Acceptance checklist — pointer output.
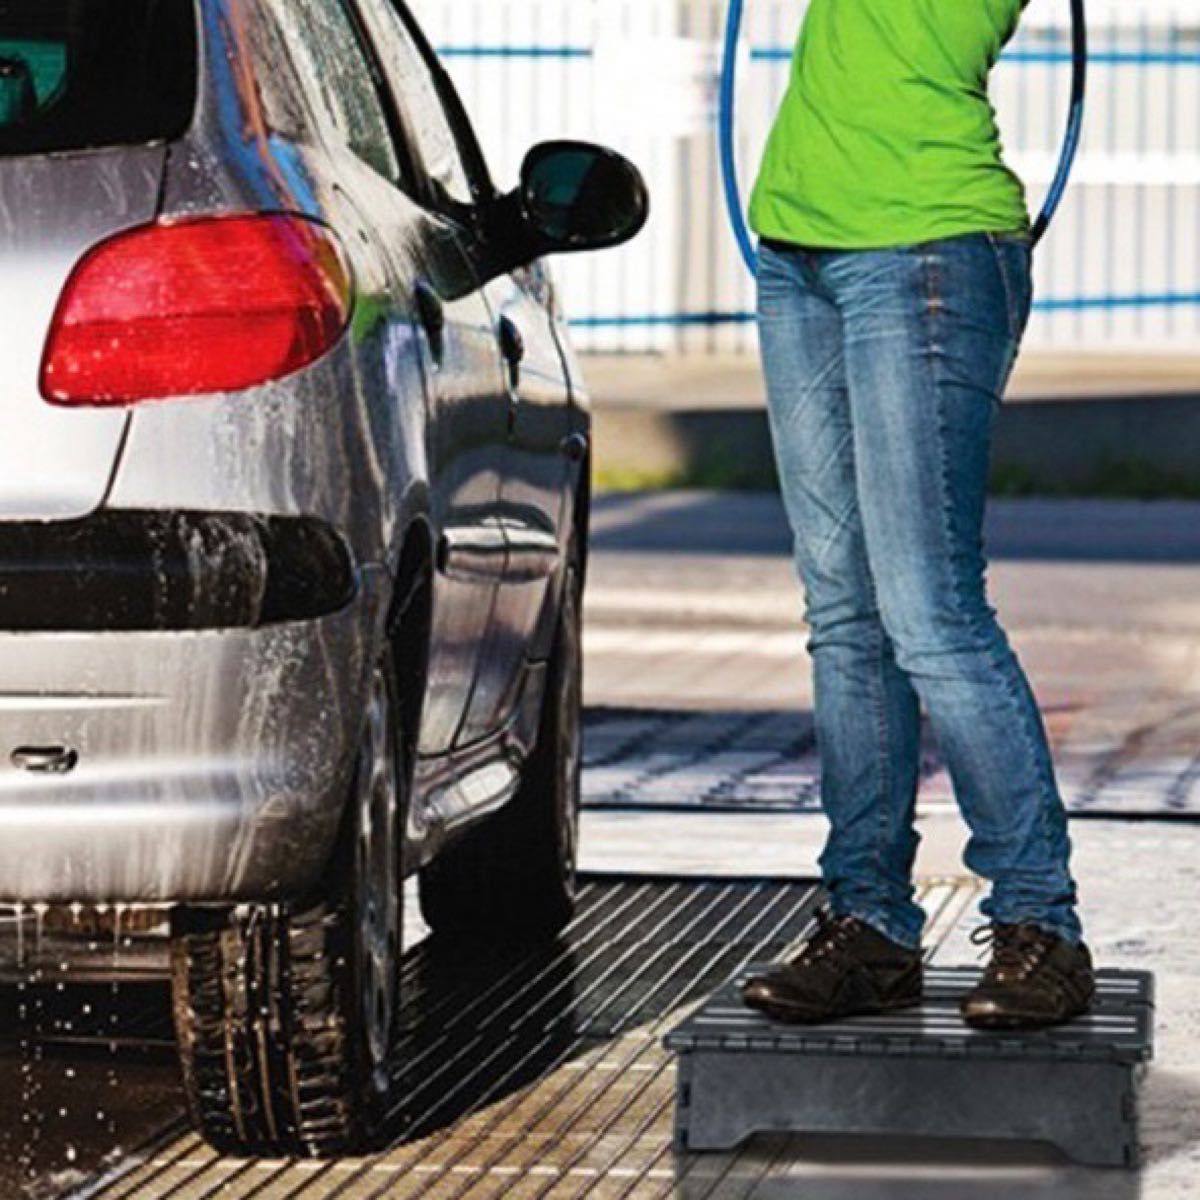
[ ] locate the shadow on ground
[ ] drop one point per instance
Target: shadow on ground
(727, 523)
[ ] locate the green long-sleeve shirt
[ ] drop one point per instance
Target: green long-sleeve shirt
(886, 136)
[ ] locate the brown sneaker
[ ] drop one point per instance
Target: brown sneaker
(1035, 979)
(847, 969)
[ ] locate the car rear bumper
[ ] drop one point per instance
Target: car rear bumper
(203, 766)
(156, 570)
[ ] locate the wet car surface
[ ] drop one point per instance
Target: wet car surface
(294, 494)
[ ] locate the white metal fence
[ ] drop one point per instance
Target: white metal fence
(1121, 268)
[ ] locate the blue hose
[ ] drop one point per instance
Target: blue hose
(729, 167)
(728, 139)
(1074, 134)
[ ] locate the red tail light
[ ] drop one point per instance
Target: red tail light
(215, 304)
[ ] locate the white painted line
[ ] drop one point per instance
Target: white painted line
(783, 646)
(737, 606)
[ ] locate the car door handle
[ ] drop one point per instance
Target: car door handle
(512, 346)
(432, 314)
(45, 760)
(473, 553)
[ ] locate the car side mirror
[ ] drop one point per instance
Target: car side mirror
(576, 196)
(573, 196)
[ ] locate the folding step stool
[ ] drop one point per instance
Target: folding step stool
(920, 1072)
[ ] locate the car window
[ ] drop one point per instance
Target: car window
(330, 56)
(78, 74)
(420, 103)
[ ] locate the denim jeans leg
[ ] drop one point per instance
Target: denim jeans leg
(930, 337)
(867, 718)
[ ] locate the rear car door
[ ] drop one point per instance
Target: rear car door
(467, 420)
(455, 190)
(536, 466)
(540, 471)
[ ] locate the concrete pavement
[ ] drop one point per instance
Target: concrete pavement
(1093, 424)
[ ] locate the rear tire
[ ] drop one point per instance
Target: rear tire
(515, 876)
(286, 1017)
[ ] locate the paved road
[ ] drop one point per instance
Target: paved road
(1100, 597)
(741, 524)
(692, 605)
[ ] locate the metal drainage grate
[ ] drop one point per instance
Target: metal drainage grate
(541, 1072)
(766, 761)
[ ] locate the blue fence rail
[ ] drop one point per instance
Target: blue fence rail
(1122, 265)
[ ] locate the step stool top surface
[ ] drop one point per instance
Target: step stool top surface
(1120, 1027)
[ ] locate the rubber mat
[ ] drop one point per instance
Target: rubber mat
(1118, 1029)
(741, 761)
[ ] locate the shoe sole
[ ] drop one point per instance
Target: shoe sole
(795, 1015)
(997, 1020)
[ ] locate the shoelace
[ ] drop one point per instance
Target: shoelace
(1017, 950)
(832, 940)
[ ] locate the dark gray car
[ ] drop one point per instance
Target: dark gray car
(293, 520)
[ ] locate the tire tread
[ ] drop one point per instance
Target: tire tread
(267, 1074)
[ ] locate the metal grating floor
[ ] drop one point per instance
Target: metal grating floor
(766, 761)
(541, 1073)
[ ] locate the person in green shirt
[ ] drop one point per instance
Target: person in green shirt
(887, 136)
(894, 290)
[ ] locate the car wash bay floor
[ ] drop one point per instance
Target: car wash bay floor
(563, 1090)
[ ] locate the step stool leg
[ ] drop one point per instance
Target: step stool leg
(1106, 1133)
(683, 1101)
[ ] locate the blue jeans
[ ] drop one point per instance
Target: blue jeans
(884, 373)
